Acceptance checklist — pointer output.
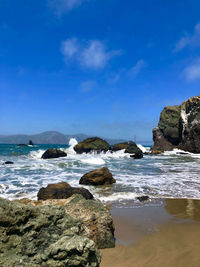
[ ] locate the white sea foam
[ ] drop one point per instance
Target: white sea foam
(144, 150)
(93, 161)
(118, 197)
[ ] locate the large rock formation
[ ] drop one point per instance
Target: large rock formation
(130, 147)
(62, 191)
(42, 236)
(95, 219)
(100, 176)
(53, 153)
(179, 127)
(92, 144)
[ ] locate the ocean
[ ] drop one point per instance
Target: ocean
(169, 175)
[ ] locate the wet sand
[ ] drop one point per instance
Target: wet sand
(159, 233)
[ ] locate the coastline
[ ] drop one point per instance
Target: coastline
(162, 232)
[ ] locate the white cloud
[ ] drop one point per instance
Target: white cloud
(93, 55)
(69, 47)
(63, 6)
(135, 70)
(192, 72)
(192, 40)
(88, 86)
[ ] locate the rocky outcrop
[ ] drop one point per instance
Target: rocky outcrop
(92, 144)
(95, 219)
(100, 176)
(131, 148)
(42, 236)
(179, 127)
(62, 191)
(31, 143)
(53, 153)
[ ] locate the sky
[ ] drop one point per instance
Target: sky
(99, 67)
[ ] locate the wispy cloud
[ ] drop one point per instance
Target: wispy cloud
(189, 40)
(93, 55)
(87, 86)
(135, 70)
(192, 72)
(61, 7)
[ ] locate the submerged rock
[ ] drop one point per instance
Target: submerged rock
(143, 198)
(100, 176)
(92, 144)
(61, 191)
(179, 127)
(42, 236)
(8, 162)
(52, 153)
(131, 148)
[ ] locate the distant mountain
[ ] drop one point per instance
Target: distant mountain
(50, 137)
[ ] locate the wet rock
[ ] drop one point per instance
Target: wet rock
(42, 236)
(92, 144)
(22, 145)
(53, 153)
(143, 198)
(8, 162)
(95, 218)
(179, 127)
(131, 148)
(61, 191)
(31, 143)
(100, 176)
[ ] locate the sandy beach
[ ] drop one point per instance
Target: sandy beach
(159, 233)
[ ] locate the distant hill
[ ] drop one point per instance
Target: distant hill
(50, 137)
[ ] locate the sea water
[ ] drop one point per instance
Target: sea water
(172, 174)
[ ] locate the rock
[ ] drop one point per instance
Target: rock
(22, 145)
(95, 218)
(8, 162)
(61, 191)
(100, 176)
(131, 148)
(156, 152)
(179, 127)
(31, 143)
(42, 236)
(143, 198)
(92, 144)
(53, 153)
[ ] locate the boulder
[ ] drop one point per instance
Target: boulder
(143, 198)
(131, 148)
(95, 218)
(43, 236)
(53, 153)
(92, 144)
(179, 127)
(100, 176)
(61, 191)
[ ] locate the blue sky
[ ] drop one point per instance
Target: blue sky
(100, 67)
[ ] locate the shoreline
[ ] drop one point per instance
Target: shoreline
(163, 232)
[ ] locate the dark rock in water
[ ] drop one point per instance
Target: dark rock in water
(137, 156)
(143, 198)
(92, 144)
(61, 191)
(179, 127)
(22, 145)
(95, 218)
(53, 153)
(31, 143)
(131, 148)
(43, 236)
(100, 176)
(8, 162)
